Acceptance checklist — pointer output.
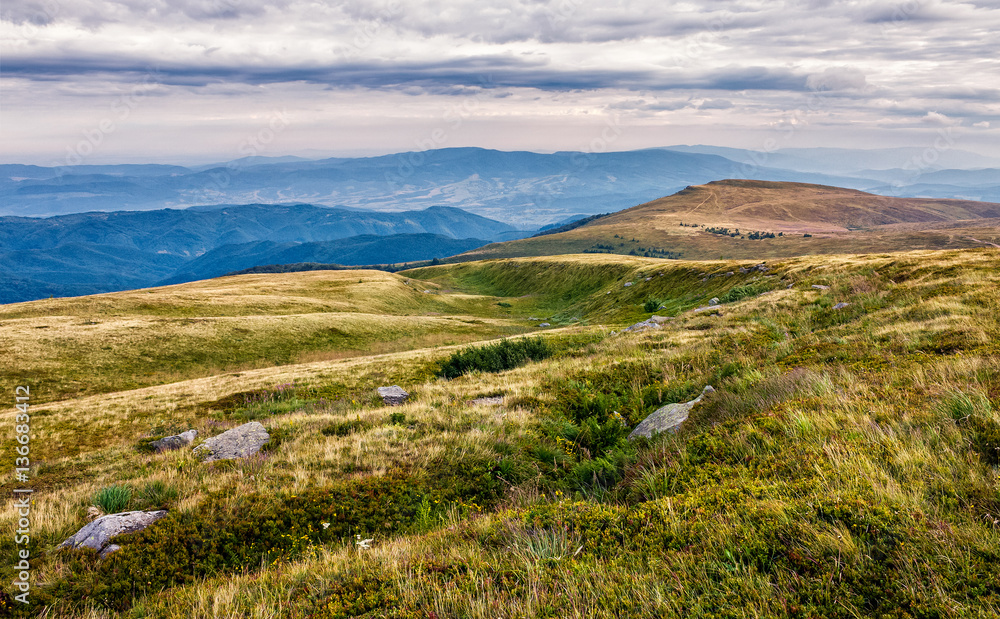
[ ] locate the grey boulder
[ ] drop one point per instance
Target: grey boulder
(246, 440)
(713, 301)
(394, 395)
(668, 418)
(174, 442)
(96, 535)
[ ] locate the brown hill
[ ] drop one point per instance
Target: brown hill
(702, 222)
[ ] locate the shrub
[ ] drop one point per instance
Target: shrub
(651, 305)
(113, 499)
(157, 495)
(503, 355)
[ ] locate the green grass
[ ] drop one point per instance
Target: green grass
(113, 499)
(844, 467)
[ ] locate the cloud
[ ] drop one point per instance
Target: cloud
(940, 120)
(881, 63)
(837, 78)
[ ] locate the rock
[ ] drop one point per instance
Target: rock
(393, 396)
(789, 286)
(488, 401)
(627, 284)
(668, 418)
(642, 326)
(240, 442)
(96, 534)
(647, 279)
(94, 512)
(545, 324)
(713, 301)
(820, 287)
(744, 270)
(174, 442)
(108, 550)
(840, 306)
(730, 273)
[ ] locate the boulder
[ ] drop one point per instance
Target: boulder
(713, 301)
(246, 440)
(545, 324)
(627, 284)
(393, 396)
(96, 535)
(174, 442)
(841, 306)
(668, 418)
(820, 287)
(108, 550)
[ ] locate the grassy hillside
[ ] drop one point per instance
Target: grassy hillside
(124, 340)
(700, 221)
(846, 466)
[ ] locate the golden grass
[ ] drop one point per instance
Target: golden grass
(872, 423)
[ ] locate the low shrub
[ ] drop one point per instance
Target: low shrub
(497, 357)
(157, 495)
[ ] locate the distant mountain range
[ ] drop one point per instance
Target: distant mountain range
(354, 250)
(88, 253)
(522, 188)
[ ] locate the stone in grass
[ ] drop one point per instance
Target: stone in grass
(841, 306)
(96, 535)
(713, 301)
(627, 284)
(393, 396)
(820, 287)
(545, 324)
(246, 440)
(668, 418)
(174, 442)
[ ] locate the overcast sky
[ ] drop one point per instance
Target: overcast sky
(93, 81)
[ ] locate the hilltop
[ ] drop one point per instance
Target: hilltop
(718, 219)
(845, 466)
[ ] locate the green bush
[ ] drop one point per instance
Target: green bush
(651, 305)
(113, 499)
(503, 355)
(157, 495)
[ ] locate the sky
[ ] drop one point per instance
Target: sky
(189, 81)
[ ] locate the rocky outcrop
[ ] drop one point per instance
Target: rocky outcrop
(176, 441)
(240, 442)
(668, 418)
(653, 322)
(96, 535)
(393, 396)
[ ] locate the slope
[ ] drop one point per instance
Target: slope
(719, 219)
(844, 467)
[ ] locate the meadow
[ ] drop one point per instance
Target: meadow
(846, 466)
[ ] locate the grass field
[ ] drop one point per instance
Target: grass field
(836, 221)
(847, 465)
